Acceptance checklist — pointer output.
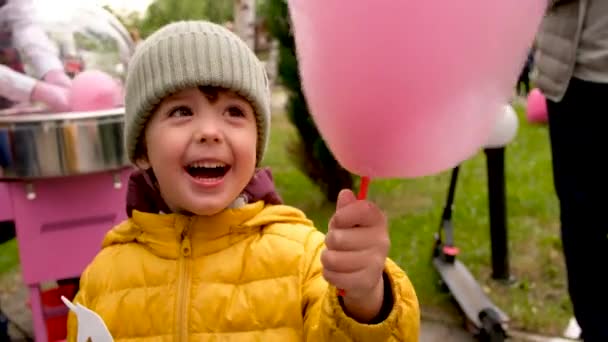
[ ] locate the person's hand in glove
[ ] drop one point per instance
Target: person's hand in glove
(59, 78)
(56, 98)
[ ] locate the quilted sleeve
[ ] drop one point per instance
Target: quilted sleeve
(324, 319)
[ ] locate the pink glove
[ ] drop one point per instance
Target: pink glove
(58, 77)
(56, 98)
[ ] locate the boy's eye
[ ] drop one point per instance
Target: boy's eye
(180, 111)
(235, 111)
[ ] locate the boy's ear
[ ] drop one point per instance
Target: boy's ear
(143, 163)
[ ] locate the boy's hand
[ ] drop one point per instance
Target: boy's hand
(357, 247)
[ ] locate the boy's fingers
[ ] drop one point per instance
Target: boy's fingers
(357, 214)
(352, 239)
(345, 197)
(346, 261)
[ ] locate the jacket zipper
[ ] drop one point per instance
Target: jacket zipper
(183, 289)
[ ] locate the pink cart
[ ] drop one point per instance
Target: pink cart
(65, 187)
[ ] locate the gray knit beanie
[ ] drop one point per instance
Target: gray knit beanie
(189, 54)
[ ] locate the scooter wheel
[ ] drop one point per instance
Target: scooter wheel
(492, 329)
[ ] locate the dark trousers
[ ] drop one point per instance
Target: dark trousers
(524, 78)
(578, 127)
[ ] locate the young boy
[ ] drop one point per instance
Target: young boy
(208, 253)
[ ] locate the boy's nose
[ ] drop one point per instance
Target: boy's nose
(207, 132)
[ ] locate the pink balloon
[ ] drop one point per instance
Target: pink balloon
(410, 88)
(95, 90)
(536, 107)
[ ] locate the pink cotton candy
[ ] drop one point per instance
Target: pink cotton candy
(408, 88)
(95, 90)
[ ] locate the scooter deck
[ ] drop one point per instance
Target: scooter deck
(466, 291)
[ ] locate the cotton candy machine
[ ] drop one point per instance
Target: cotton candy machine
(43, 145)
(64, 175)
(86, 37)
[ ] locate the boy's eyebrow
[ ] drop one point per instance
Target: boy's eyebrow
(180, 96)
(176, 97)
(168, 102)
(233, 95)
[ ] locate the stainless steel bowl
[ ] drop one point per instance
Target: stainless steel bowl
(38, 145)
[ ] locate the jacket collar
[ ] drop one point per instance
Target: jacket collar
(163, 234)
(144, 196)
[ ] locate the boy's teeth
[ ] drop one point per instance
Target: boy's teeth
(207, 164)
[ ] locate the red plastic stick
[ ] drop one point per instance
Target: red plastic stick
(360, 196)
(363, 188)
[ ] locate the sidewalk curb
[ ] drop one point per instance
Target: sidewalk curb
(514, 335)
(528, 337)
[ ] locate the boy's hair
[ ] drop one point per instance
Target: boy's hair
(189, 54)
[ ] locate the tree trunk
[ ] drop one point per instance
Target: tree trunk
(272, 65)
(244, 21)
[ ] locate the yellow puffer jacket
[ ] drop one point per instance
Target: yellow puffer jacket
(247, 274)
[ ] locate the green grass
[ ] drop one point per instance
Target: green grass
(9, 257)
(538, 300)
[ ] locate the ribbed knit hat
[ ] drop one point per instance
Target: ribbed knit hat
(189, 54)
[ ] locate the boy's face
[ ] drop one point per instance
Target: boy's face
(201, 144)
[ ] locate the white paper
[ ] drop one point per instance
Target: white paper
(90, 325)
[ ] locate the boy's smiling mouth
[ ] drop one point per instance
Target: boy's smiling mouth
(208, 172)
